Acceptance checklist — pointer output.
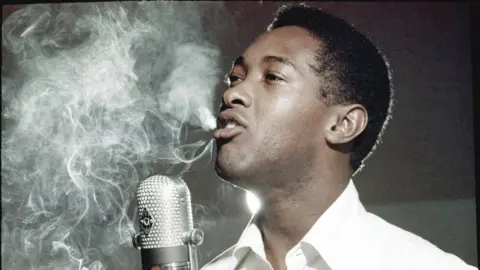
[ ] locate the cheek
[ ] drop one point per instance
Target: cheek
(292, 115)
(286, 123)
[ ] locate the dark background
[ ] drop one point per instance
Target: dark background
(427, 152)
(422, 176)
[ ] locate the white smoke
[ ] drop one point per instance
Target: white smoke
(95, 98)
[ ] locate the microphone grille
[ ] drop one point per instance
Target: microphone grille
(164, 211)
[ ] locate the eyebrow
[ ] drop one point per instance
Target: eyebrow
(278, 59)
(240, 61)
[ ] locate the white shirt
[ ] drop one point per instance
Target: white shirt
(345, 237)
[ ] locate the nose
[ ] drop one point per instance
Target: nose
(235, 97)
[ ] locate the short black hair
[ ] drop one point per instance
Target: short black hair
(352, 69)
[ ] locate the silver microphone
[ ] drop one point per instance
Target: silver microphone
(167, 239)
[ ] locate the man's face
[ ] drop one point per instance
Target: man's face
(273, 101)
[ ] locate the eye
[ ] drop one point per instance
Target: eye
(273, 78)
(231, 78)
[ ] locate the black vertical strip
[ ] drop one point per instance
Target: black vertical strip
(475, 42)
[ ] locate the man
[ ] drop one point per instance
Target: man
(307, 103)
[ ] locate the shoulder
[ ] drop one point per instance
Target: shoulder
(397, 248)
(224, 261)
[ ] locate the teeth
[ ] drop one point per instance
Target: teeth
(231, 125)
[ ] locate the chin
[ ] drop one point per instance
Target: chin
(223, 171)
(230, 173)
(233, 164)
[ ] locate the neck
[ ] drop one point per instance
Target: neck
(288, 214)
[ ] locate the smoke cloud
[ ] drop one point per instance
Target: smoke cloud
(97, 97)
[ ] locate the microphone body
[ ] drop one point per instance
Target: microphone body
(167, 239)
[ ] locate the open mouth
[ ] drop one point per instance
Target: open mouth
(230, 125)
(230, 130)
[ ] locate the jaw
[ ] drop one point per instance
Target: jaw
(233, 164)
(227, 162)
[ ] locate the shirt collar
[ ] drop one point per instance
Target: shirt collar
(251, 238)
(331, 235)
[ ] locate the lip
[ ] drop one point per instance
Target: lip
(229, 115)
(228, 133)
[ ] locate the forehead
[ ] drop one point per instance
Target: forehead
(293, 42)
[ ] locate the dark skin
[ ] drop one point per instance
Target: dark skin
(293, 149)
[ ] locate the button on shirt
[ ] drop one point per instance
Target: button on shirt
(345, 237)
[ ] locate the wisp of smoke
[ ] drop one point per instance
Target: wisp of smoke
(94, 98)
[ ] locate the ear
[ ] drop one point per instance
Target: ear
(345, 123)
